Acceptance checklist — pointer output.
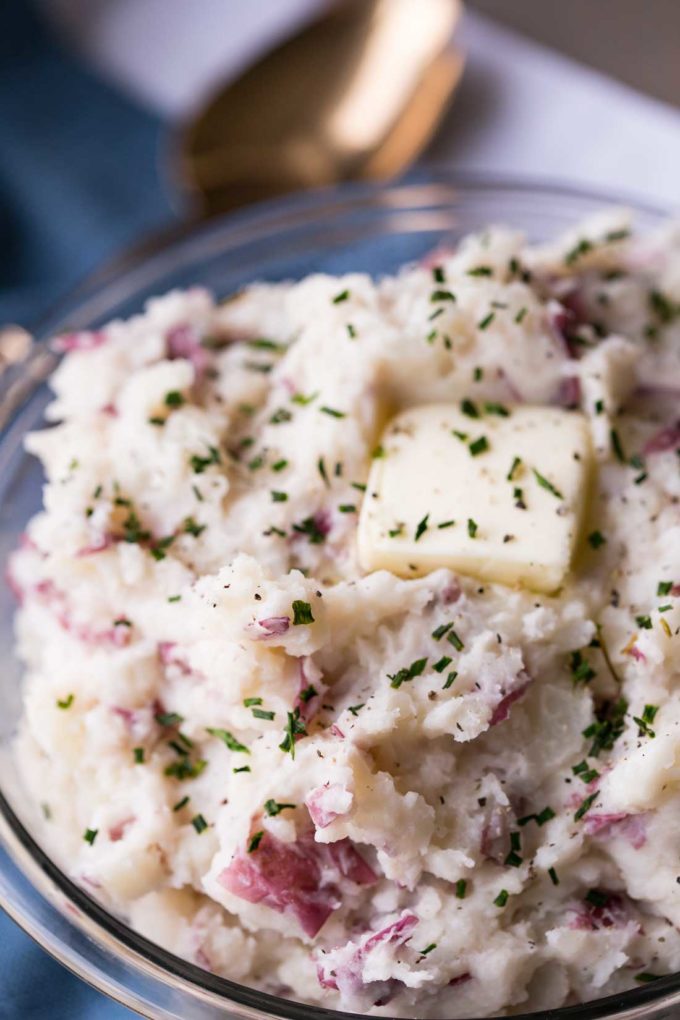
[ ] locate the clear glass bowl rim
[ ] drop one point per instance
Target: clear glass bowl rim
(427, 187)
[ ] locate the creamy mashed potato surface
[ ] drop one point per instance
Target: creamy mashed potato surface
(433, 795)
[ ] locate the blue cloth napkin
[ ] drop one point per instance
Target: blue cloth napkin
(78, 182)
(79, 177)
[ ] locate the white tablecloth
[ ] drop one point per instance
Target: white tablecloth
(521, 108)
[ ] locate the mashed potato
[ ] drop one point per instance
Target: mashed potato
(348, 788)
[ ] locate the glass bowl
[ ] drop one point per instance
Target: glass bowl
(363, 227)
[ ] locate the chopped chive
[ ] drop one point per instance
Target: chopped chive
(449, 680)
(199, 823)
(442, 295)
(520, 315)
(516, 464)
(321, 467)
(243, 768)
(302, 400)
(422, 527)
(174, 598)
(664, 587)
(585, 806)
(461, 889)
(617, 446)
(441, 665)
(469, 408)
(278, 496)
(181, 803)
(480, 271)
(342, 296)
(446, 524)
(66, 702)
(596, 539)
(472, 528)
(263, 713)
(553, 876)
(454, 640)
(502, 898)
(441, 631)
(347, 508)
(138, 755)
(409, 673)
(255, 841)
(168, 718)
(428, 949)
(351, 331)
(229, 739)
(332, 412)
(250, 702)
(294, 727)
(90, 835)
(486, 321)
(280, 465)
(545, 484)
(478, 446)
(302, 613)
(272, 807)
(493, 408)
(174, 399)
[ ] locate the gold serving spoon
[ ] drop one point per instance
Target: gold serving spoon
(356, 95)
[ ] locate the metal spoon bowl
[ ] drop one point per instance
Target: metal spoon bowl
(356, 95)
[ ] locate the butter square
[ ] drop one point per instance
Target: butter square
(497, 493)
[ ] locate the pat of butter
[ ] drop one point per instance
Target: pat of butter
(498, 497)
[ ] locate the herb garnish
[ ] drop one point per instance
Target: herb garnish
(486, 321)
(454, 640)
(478, 446)
(66, 702)
(585, 806)
(263, 713)
(596, 539)
(441, 665)
(342, 296)
(311, 529)
(545, 484)
(229, 739)
(461, 888)
(644, 722)
(502, 898)
(294, 727)
(174, 399)
(421, 527)
(199, 464)
(272, 807)
(302, 613)
(607, 727)
(581, 670)
(138, 755)
(616, 446)
(407, 673)
(192, 528)
(333, 412)
(255, 841)
(472, 528)
(90, 835)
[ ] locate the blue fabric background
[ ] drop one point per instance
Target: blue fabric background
(79, 180)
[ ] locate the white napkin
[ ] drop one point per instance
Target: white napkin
(522, 108)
